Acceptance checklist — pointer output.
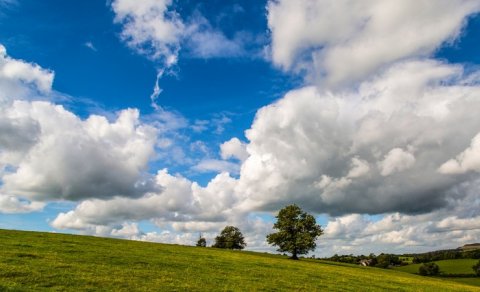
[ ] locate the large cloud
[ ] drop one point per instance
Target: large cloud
(442, 229)
(340, 41)
(373, 150)
(65, 157)
(179, 201)
(49, 153)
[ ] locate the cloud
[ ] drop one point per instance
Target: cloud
(399, 233)
(342, 41)
(372, 150)
(203, 41)
(396, 160)
(468, 160)
(153, 28)
(69, 158)
(234, 148)
(22, 80)
(48, 153)
(215, 165)
(180, 200)
(11, 204)
(90, 45)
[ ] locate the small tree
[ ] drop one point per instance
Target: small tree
(476, 268)
(297, 231)
(230, 238)
(429, 269)
(202, 242)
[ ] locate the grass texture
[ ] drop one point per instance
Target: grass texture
(35, 261)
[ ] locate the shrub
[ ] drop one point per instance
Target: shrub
(429, 269)
(476, 268)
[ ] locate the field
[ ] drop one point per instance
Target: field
(452, 267)
(459, 266)
(47, 261)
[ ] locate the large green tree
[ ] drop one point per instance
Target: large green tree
(230, 238)
(297, 231)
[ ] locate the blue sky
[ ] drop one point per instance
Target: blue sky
(362, 115)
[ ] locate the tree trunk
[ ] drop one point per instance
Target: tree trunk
(294, 256)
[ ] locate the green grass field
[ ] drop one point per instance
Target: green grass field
(44, 261)
(459, 266)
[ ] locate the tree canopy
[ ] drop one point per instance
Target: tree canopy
(202, 242)
(297, 231)
(230, 238)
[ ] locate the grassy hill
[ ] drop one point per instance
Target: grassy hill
(38, 261)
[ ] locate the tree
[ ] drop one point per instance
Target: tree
(429, 269)
(476, 268)
(202, 242)
(230, 238)
(297, 231)
(386, 260)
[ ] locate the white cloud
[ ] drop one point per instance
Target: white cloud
(408, 121)
(215, 165)
(20, 79)
(468, 160)
(359, 168)
(340, 41)
(153, 28)
(69, 158)
(442, 229)
(90, 45)
(179, 200)
(11, 204)
(203, 41)
(234, 148)
(396, 160)
(150, 27)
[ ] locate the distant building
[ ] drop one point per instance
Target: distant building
(366, 262)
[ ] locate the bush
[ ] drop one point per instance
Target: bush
(429, 269)
(476, 268)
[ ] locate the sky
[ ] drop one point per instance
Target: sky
(158, 120)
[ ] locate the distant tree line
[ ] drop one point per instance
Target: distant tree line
(445, 255)
(383, 260)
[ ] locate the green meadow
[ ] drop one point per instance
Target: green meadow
(458, 266)
(451, 267)
(47, 261)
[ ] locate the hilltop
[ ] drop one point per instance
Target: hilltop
(37, 261)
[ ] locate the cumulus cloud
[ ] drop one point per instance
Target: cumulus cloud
(73, 159)
(396, 160)
(181, 210)
(11, 204)
(442, 229)
(180, 200)
(468, 160)
(22, 80)
(371, 150)
(234, 148)
(49, 153)
(340, 41)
